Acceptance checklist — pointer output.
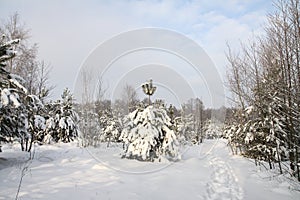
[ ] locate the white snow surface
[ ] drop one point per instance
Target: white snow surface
(39, 122)
(7, 96)
(208, 171)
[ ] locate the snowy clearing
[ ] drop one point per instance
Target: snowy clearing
(208, 171)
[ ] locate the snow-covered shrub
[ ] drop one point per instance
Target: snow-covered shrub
(147, 135)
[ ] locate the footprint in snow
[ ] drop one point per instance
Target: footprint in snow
(223, 184)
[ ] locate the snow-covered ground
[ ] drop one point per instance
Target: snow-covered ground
(208, 171)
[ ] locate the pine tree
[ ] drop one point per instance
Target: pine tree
(62, 123)
(36, 122)
(20, 111)
(13, 123)
(147, 135)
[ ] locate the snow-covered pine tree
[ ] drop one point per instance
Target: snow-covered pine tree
(13, 122)
(62, 123)
(147, 135)
(36, 121)
(262, 136)
(19, 110)
(51, 121)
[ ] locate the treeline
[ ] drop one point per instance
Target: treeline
(103, 120)
(265, 80)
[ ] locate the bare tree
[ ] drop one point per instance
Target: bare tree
(101, 90)
(26, 64)
(193, 110)
(129, 96)
(86, 84)
(43, 86)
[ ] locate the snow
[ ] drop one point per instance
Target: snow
(39, 122)
(7, 96)
(249, 137)
(62, 124)
(50, 123)
(16, 83)
(207, 171)
(249, 110)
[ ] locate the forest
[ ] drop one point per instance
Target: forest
(261, 123)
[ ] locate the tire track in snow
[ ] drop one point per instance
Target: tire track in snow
(223, 184)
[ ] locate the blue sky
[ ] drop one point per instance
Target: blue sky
(67, 31)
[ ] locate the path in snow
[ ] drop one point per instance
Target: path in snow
(223, 184)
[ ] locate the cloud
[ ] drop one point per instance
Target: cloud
(67, 31)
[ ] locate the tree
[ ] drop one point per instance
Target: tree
(184, 126)
(129, 96)
(34, 73)
(20, 111)
(193, 117)
(11, 90)
(265, 79)
(33, 112)
(148, 89)
(148, 135)
(62, 123)
(111, 129)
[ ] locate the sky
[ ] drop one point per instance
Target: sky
(69, 31)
